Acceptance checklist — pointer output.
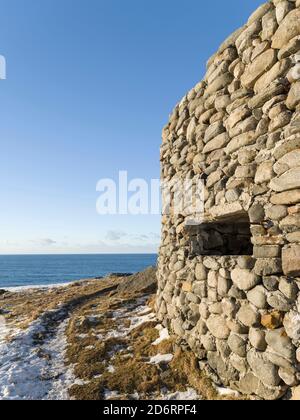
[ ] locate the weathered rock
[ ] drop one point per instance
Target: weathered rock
(288, 29)
(239, 363)
(217, 143)
(258, 67)
(269, 24)
(209, 343)
(177, 328)
(240, 141)
(219, 83)
(187, 287)
(248, 316)
(212, 279)
(267, 251)
(270, 393)
(257, 339)
(218, 327)
(203, 310)
(291, 261)
(293, 237)
(289, 288)
(237, 344)
(274, 89)
(271, 283)
(264, 173)
(226, 372)
(291, 324)
(213, 131)
(211, 263)
(292, 47)
(244, 279)
(276, 212)
(281, 344)
(279, 302)
(263, 369)
(278, 70)
(200, 272)
(227, 210)
(290, 224)
(268, 267)
(296, 394)
(257, 297)
(272, 320)
(224, 286)
(248, 384)
(246, 262)
(288, 146)
(257, 213)
(287, 377)
(288, 181)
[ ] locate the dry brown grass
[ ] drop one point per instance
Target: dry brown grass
(91, 307)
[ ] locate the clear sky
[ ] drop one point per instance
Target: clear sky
(90, 84)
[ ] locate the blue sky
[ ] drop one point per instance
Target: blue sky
(89, 87)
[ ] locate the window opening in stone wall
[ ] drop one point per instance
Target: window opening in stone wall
(230, 237)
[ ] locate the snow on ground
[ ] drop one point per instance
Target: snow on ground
(19, 289)
(225, 392)
(189, 395)
(33, 370)
(110, 394)
(32, 363)
(161, 358)
(163, 335)
(138, 314)
(3, 329)
(111, 369)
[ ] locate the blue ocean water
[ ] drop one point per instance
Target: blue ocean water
(33, 270)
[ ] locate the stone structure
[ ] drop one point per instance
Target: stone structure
(229, 283)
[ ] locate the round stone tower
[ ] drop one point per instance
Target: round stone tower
(229, 270)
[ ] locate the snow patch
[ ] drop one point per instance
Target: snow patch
(225, 392)
(32, 368)
(163, 335)
(161, 358)
(111, 369)
(110, 394)
(189, 395)
(19, 289)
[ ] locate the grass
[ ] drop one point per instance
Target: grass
(103, 360)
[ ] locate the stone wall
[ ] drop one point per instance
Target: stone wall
(238, 307)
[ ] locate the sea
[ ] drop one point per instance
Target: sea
(48, 270)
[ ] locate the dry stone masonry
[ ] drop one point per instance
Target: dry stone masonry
(229, 284)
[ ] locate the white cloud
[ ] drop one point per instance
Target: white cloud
(115, 235)
(114, 242)
(119, 236)
(44, 242)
